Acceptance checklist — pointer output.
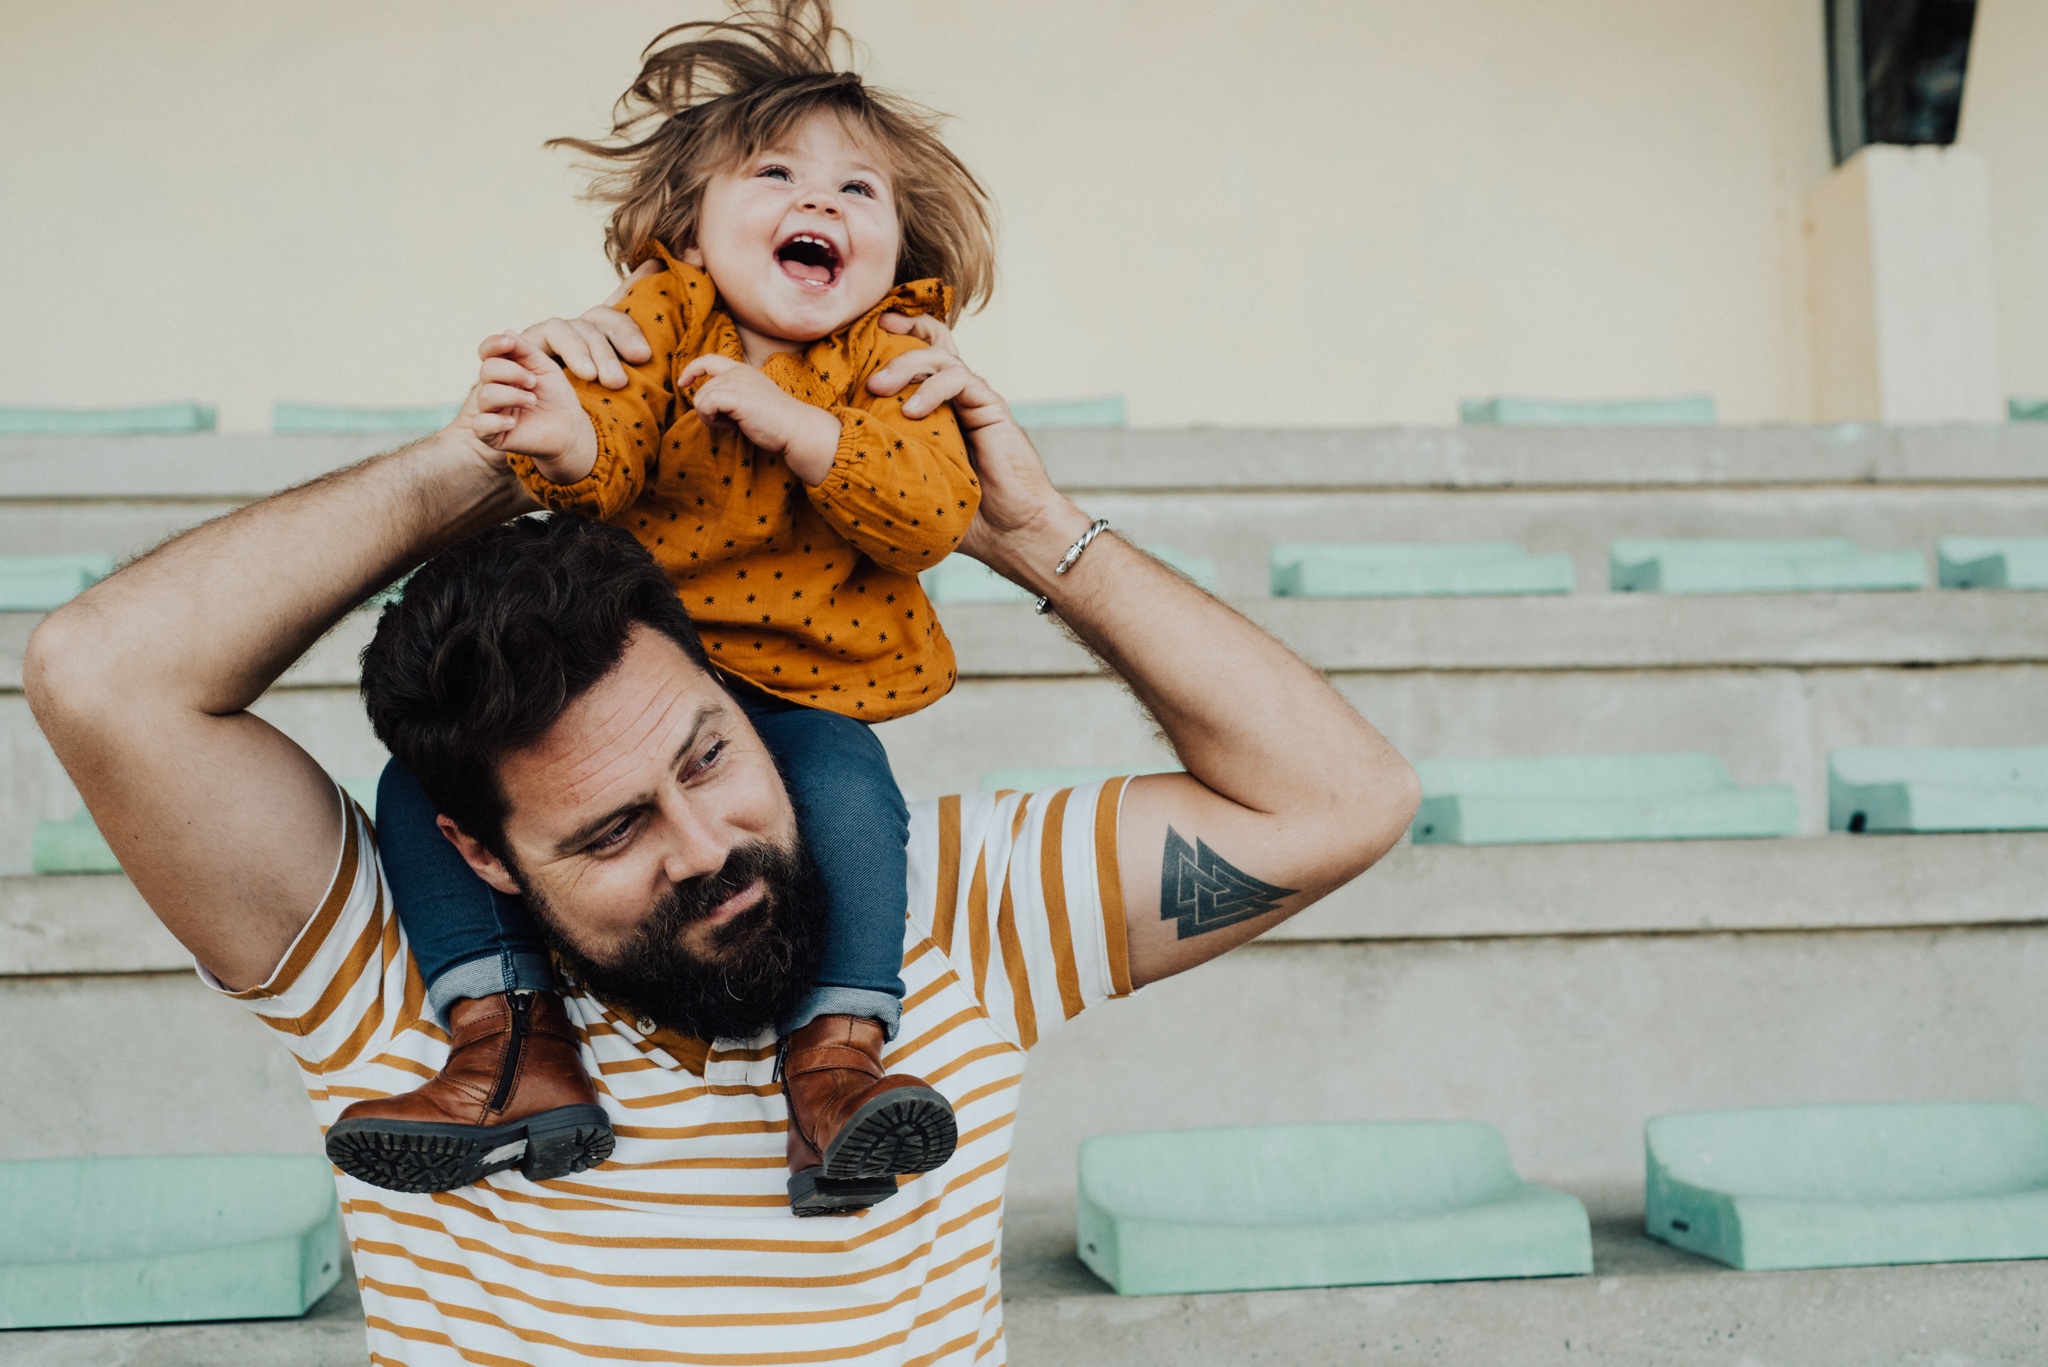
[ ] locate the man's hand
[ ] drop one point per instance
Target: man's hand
(732, 393)
(525, 404)
(1021, 514)
(591, 345)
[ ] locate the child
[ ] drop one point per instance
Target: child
(789, 208)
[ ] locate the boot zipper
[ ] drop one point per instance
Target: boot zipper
(508, 1069)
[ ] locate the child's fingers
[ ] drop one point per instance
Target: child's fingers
(703, 367)
(499, 398)
(519, 350)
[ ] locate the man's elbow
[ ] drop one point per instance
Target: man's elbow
(1380, 812)
(62, 669)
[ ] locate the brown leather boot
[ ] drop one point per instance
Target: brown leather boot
(513, 1091)
(852, 1130)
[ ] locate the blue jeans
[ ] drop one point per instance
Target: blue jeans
(471, 940)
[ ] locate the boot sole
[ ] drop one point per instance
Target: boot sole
(419, 1156)
(904, 1131)
(812, 1193)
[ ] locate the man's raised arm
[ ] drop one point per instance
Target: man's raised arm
(1289, 793)
(143, 683)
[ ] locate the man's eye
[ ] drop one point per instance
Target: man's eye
(711, 755)
(777, 172)
(857, 187)
(612, 838)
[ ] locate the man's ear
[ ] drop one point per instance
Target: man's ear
(488, 866)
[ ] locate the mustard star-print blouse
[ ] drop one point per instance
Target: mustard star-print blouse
(808, 593)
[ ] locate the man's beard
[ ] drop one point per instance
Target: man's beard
(765, 957)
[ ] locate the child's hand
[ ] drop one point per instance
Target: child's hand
(734, 394)
(525, 404)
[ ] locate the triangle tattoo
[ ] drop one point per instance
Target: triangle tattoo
(1204, 892)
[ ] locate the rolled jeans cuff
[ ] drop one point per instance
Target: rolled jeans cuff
(487, 977)
(847, 1001)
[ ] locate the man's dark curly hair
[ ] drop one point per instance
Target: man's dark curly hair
(491, 642)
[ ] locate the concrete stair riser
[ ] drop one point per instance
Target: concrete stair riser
(1769, 725)
(1278, 458)
(1238, 529)
(1567, 1045)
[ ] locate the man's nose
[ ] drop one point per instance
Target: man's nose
(692, 847)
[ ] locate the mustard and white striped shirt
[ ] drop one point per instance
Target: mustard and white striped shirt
(682, 1249)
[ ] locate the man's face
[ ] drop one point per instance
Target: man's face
(802, 238)
(655, 842)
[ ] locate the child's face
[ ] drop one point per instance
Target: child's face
(801, 239)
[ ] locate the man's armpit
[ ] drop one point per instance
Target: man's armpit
(1203, 891)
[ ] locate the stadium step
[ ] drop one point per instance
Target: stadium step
(38, 583)
(1993, 562)
(1983, 788)
(1550, 798)
(1260, 1208)
(150, 419)
(1819, 565)
(319, 417)
(1409, 570)
(1685, 411)
(165, 1239)
(1845, 1186)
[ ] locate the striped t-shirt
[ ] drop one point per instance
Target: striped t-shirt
(681, 1248)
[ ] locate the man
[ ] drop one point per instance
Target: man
(646, 824)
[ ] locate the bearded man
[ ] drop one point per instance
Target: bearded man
(597, 763)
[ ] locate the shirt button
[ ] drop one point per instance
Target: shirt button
(644, 1026)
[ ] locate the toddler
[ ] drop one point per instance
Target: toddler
(786, 208)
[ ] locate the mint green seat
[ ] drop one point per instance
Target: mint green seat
(1415, 570)
(74, 846)
(1847, 1186)
(1965, 788)
(165, 1240)
(1105, 411)
(1689, 410)
(1785, 566)
(1992, 562)
(317, 417)
(963, 579)
(1039, 780)
(39, 583)
(142, 419)
(2027, 410)
(1263, 1207)
(1550, 798)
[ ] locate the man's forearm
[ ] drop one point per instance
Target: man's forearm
(1247, 716)
(212, 618)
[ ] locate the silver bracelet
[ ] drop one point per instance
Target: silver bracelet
(1097, 528)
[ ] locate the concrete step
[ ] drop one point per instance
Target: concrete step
(242, 465)
(88, 924)
(1236, 521)
(1567, 1044)
(1770, 725)
(1643, 1303)
(1394, 635)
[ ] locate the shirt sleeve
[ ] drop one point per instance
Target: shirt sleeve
(346, 990)
(901, 490)
(629, 422)
(1029, 905)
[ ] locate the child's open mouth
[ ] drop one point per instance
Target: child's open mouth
(809, 260)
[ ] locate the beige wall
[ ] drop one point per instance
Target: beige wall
(2005, 117)
(1327, 211)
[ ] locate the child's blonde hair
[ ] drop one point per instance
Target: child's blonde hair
(725, 89)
